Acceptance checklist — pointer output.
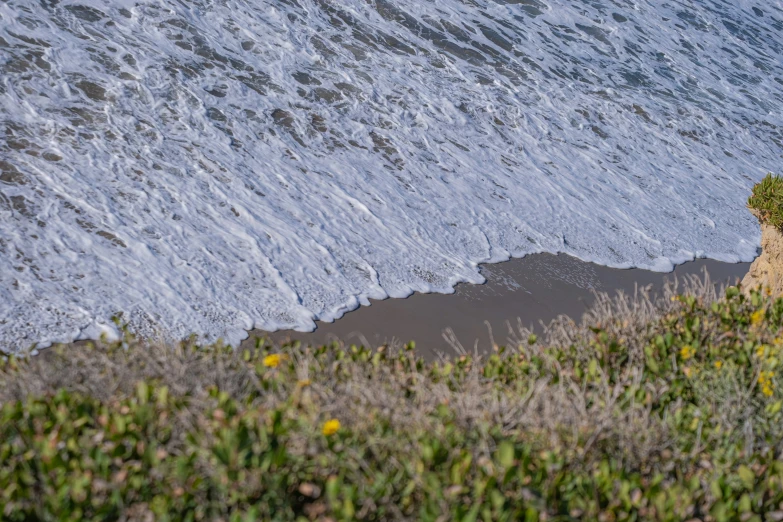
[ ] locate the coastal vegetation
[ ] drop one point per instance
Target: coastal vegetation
(766, 201)
(663, 407)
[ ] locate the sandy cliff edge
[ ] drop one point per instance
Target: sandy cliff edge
(767, 270)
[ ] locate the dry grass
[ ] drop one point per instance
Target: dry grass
(402, 390)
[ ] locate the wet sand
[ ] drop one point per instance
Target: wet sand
(533, 289)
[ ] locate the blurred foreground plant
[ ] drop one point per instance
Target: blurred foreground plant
(650, 409)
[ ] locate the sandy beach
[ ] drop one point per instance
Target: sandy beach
(530, 290)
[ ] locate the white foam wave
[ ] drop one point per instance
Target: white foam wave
(212, 166)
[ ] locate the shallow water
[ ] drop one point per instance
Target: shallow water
(215, 166)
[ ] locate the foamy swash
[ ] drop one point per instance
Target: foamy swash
(214, 166)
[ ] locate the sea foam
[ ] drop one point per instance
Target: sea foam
(210, 167)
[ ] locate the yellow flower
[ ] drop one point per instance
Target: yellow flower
(718, 365)
(303, 383)
(767, 386)
(331, 426)
(687, 352)
(687, 371)
(272, 360)
(760, 351)
(756, 317)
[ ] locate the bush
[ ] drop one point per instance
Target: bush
(767, 201)
(664, 409)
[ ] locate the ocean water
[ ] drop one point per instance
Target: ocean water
(211, 166)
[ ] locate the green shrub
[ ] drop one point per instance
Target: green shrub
(767, 200)
(665, 410)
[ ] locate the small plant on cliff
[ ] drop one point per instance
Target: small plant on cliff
(767, 201)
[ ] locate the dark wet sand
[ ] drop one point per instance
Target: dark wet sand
(532, 289)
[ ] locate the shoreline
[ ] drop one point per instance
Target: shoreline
(529, 290)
